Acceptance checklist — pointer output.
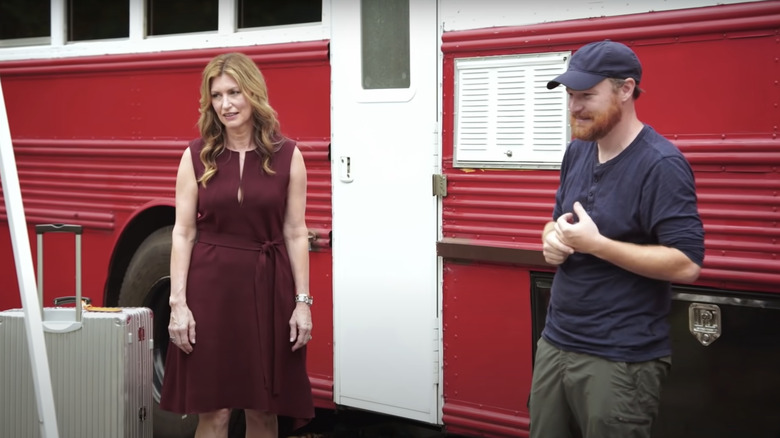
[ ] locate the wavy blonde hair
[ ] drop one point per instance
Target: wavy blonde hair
(266, 132)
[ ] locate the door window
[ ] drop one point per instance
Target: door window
(385, 44)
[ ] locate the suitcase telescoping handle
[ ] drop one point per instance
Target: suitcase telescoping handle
(40, 230)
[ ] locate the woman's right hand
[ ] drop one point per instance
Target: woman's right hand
(181, 328)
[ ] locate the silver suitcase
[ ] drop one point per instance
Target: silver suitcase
(100, 362)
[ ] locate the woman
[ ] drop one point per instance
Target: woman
(239, 263)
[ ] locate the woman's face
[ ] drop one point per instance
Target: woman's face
(229, 103)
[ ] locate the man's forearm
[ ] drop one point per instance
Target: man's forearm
(652, 261)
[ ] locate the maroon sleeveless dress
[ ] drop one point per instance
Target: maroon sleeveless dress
(241, 292)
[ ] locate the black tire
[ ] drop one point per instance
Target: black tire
(147, 284)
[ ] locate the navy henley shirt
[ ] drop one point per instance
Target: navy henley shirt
(645, 195)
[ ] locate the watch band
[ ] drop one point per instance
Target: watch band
(300, 298)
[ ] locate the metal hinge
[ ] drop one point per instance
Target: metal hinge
(439, 185)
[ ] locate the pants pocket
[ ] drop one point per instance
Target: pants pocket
(637, 389)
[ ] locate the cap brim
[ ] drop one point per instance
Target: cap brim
(576, 80)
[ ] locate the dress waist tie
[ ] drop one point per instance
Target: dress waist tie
(267, 306)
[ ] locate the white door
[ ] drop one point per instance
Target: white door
(384, 58)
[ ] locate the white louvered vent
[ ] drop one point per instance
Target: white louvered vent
(504, 114)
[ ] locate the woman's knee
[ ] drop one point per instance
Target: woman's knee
(260, 418)
(217, 420)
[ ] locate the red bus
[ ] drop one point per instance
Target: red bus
(433, 151)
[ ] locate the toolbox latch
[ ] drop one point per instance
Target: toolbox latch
(704, 322)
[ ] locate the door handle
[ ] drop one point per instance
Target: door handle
(345, 169)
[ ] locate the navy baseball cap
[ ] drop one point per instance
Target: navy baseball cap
(594, 62)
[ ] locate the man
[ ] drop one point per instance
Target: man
(625, 226)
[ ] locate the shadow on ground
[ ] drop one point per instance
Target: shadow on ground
(350, 424)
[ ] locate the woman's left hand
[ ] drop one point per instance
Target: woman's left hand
(300, 326)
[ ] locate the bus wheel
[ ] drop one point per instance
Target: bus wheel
(147, 284)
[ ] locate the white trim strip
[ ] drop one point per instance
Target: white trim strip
(227, 17)
(137, 25)
(59, 23)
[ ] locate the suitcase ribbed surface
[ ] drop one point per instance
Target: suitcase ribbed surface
(101, 375)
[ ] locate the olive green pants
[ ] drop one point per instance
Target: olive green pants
(575, 394)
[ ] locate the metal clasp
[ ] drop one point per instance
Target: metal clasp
(704, 322)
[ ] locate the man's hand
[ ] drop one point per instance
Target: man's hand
(555, 252)
(582, 236)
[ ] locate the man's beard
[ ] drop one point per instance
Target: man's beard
(600, 124)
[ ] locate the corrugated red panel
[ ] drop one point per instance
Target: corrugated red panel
(316, 155)
(738, 184)
(319, 220)
(498, 205)
(487, 349)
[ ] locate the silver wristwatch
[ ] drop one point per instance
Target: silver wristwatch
(304, 299)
